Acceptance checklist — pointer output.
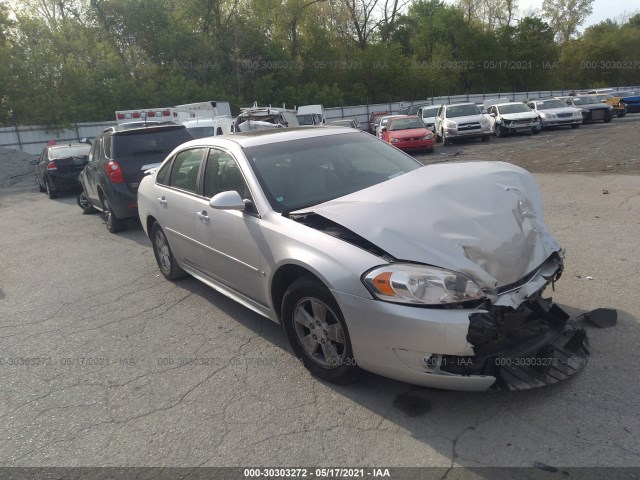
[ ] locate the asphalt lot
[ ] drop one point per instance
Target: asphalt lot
(108, 384)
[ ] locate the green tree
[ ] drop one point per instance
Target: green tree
(565, 16)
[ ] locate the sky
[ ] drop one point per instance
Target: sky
(602, 9)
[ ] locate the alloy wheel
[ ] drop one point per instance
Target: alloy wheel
(319, 333)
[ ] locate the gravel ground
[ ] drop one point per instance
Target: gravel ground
(592, 148)
(15, 168)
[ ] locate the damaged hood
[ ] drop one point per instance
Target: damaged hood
(483, 219)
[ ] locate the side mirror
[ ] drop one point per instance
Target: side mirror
(85, 140)
(383, 129)
(230, 200)
(492, 115)
(33, 162)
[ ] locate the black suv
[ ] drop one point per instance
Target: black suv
(117, 161)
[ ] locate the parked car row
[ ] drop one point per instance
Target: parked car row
(502, 117)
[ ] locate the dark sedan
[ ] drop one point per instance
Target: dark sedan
(58, 167)
(593, 110)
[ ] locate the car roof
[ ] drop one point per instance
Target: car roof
(460, 104)
(272, 135)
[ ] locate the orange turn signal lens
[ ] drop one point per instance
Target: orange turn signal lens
(383, 283)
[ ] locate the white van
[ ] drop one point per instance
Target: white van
(310, 110)
(209, 127)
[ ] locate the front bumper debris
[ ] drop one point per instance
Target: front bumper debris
(535, 345)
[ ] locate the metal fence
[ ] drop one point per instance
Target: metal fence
(34, 138)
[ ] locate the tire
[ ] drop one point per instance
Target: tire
(317, 332)
(51, 193)
(84, 203)
(164, 256)
(607, 117)
(500, 131)
(114, 224)
(535, 131)
(621, 113)
(40, 187)
(486, 138)
(575, 125)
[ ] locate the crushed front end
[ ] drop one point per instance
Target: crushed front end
(528, 345)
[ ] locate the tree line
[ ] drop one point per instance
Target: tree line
(65, 61)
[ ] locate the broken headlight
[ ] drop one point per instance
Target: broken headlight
(421, 285)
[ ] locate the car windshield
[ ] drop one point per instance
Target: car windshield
(305, 119)
(405, 123)
(149, 142)
(462, 110)
(309, 171)
(586, 100)
(548, 104)
(515, 108)
(429, 112)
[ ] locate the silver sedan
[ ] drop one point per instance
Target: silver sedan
(429, 275)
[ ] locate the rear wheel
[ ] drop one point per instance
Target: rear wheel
(51, 193)
(317, 331)
(164, 256)
(114, 224)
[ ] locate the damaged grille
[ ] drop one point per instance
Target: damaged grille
(468, 126)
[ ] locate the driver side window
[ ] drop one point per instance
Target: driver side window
(223, 174)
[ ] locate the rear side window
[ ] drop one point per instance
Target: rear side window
(184, 174)
(162, 177)
(107, 147)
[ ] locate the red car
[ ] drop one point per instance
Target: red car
(408, 133)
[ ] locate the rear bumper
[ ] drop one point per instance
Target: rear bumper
(124, 203)
(64, 181)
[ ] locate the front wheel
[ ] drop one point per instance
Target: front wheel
(486, 138)
(317, 331)
(501, 131)
(84, 203)
(164, 256)
(575, 125)
(608, 117)
(535, 130)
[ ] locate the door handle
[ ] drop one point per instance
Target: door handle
(162, 201)
(203, 216)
